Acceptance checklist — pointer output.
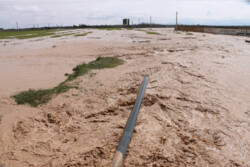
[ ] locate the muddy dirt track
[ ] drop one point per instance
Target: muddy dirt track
(195, 112)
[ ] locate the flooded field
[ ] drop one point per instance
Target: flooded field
(195, 111)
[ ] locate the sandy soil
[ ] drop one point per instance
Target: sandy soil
(195, 112)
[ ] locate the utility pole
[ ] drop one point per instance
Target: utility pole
(17, 26)
(37, 25)
(150, 21)
(245, 31)
(176, 20)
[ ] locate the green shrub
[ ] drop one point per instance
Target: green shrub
(41, 96)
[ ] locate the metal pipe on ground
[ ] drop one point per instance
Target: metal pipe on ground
(128, 131)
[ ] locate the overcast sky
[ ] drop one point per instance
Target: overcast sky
(95, 12)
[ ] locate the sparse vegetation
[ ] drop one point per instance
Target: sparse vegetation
(42, 96)
(26, 34)
(153, 33)
(0, 123)
(99, 63)
(140, 30)
(84, 34)
(92, 74)
(61, 35)
(110, 28)
(36, 40)
(164, 39)
(147, 41)
(56, 36)
(129, 28)
(189, 33)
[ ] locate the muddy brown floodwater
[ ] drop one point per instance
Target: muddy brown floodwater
(195, 112)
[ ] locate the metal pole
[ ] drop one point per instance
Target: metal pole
(176, 26)
(176, 19)
(150, 21)
(128, 131)
(17, 26)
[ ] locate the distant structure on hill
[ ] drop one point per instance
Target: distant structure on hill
(125, 22)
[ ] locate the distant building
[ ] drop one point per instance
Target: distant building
(125, 22)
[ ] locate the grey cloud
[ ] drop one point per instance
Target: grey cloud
(31, 8)
(29, 12)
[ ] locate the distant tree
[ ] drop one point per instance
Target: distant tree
(82, 26)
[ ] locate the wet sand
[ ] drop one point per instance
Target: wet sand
(195, 112)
